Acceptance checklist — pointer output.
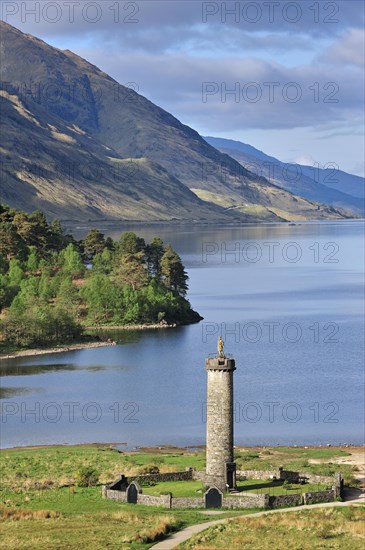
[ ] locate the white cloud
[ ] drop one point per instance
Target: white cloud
(266, 94)
(348, 50)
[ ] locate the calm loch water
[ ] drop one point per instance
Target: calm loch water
(289, 304)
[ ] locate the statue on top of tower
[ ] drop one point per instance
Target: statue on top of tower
(220, 347)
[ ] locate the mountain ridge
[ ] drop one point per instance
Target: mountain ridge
(322, 185)
(86, 114)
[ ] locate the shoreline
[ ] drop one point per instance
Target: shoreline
(116, 224)
(84, 345)
(61, 349)
(132, 327)
(157, 449)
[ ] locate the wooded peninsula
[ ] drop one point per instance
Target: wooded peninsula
(53, 287)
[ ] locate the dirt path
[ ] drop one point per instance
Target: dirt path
(354, 497)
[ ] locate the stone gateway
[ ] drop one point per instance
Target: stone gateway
(213, 498)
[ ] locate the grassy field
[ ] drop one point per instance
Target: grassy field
(335, 528)
(59, 464)
(296, 459)
(42, 507)
(255, 486)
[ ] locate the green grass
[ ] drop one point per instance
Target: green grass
(177, 488)
(41, 508)
(335, 528)
(80, 518)
(256, 486)
(275, 488)
(59, 464)
(22, 467)
(295, 459)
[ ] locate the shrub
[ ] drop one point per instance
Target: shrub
(87, 477)
(146, 482)
(149, 469)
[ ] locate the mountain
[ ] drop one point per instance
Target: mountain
(328, 186)
(83, 147)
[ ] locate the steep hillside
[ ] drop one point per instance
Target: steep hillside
(58, 107)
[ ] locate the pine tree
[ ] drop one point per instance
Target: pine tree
(11, 244)
(173, 273)
(131, 271)
(130, 243)
(154, 253)
(94, 243)
(32, 262)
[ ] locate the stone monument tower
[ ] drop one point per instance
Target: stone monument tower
(220, 468)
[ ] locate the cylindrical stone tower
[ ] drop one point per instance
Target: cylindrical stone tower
(220, 468)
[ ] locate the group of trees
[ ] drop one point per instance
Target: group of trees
(51, 285)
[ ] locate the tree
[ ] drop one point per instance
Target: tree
(102, 298)
(102, 263)
(40, 231)
(32, 262)
(109, 244)
(67, 296)
(94, 243)
(46, 286)
(154, 253)
(15, 273)
(11, 244)
(72, 261)
(3, 265)
(7, 292)
(57, 237)
(129, 243)
(40, 302)
(173, 273)
(131, 271)
(24, 226)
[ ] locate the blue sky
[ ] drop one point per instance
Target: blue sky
(285, 77)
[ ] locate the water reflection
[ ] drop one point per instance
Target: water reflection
(8, 392)
(14, 369)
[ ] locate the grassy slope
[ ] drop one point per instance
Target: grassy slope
(336, 528)
(23, 466)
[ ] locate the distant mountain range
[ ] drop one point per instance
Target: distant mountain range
(329, 186)
(82, 147)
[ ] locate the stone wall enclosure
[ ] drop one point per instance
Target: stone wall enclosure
(129, 490)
